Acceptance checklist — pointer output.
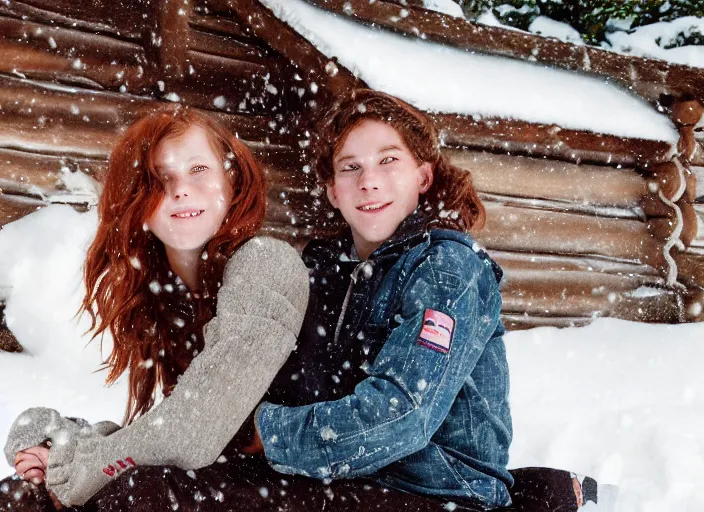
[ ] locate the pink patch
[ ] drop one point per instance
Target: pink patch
(437, 331)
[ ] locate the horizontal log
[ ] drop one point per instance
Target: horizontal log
(40, 175)
(124, 19)
(575, 294)
(540, 140)
(203, 20)
(27, 62)
(69, 42)
(227, 46)
(15, 207)
(243, 85)
(30, 110)
(520, 322)
(510, 228)
(57, 137)
(584, 208)
(551, 179)
(528, 262)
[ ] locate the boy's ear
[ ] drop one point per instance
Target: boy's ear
(330, 191)
(426, 176)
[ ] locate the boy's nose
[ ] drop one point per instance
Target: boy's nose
(368, 180)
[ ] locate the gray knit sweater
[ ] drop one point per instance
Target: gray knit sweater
(260, 310)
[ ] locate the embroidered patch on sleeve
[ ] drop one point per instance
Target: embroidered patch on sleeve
(437, 331)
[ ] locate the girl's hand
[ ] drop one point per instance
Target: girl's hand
(31, 464)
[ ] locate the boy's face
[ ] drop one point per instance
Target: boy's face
(377, 183)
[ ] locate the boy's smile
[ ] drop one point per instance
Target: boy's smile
(377, 183)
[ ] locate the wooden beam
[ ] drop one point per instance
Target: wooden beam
(219, 25)
(70, 56)
(26, 173)
(224, 45)
(70, 121)
(520, 322)
(540, 140)
(551, 179)
(123, 20)
(511, 228)
(575, 294)
(331, 80)
(15, 207)
(528, 262)
(650, 78)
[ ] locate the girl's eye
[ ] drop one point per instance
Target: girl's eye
(388, 160)
(198, 168)
(349, 167)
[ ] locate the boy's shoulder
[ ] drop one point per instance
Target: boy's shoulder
(458, 250)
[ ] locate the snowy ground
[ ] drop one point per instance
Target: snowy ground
(621, 401)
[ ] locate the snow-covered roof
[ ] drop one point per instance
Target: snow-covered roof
(441, 78)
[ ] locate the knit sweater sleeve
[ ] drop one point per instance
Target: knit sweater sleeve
(260, 309)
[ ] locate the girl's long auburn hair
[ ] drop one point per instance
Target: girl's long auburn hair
(451, 201)
(157, 325)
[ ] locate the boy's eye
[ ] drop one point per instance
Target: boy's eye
(388, 160)
(349, 167)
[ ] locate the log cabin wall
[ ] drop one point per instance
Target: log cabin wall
(573, 218)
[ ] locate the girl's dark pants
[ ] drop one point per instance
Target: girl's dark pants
(249, 484)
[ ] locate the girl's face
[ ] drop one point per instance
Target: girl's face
(377, 183)
(197, 193)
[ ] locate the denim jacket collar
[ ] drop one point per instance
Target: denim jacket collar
(410, 232)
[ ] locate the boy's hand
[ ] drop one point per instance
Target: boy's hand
(256, 446)
(31, 464)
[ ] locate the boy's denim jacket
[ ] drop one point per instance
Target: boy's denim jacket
(424, 417)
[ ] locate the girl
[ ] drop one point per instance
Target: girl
(198, 308)
(401, 372)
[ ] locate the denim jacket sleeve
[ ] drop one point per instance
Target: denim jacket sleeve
(396, 410)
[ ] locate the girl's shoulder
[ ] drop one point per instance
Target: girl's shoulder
(263, 250)
(266, 258)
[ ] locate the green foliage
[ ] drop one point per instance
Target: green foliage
(590, 17)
